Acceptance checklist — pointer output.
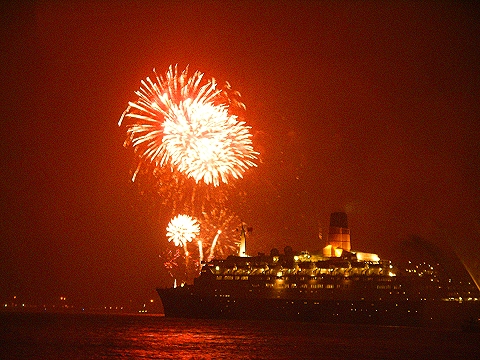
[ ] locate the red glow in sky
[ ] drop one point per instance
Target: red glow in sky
(365, 107)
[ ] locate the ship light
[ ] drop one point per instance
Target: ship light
(338, 252)
(367, 257)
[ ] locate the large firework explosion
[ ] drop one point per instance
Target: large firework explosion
(188, 124)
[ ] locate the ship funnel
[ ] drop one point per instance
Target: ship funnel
(339, 233)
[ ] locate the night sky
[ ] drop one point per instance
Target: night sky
(371, 108)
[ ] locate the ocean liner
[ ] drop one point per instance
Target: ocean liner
(337, 285)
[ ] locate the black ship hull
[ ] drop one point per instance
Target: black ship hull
(184, 302)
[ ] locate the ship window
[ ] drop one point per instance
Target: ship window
(383, 287)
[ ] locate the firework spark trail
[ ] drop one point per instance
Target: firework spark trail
(200, 251)
(214, 242)
(220, 222)
(171, 263)
(186, 123)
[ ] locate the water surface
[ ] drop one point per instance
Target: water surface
(93, 336)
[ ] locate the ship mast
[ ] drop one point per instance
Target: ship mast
(243, 242)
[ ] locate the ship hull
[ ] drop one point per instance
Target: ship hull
(186, 303)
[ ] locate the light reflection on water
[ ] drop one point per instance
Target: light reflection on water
(82, 336)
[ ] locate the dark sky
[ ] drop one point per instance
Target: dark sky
(365, 107)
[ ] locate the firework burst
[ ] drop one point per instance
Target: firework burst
(220, 232)
(182, 229)
(187, 124)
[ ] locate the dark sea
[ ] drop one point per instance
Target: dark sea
(93, 336)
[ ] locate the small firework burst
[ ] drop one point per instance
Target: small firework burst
(182, 229)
